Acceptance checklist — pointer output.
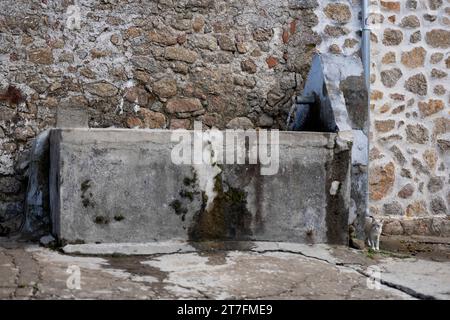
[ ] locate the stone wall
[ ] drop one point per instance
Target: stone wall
(146, 64)
(410, 123)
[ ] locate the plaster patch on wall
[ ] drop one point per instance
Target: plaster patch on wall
(208, 170)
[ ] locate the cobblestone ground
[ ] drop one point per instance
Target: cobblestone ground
(29, 271)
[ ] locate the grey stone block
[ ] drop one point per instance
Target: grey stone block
(115, 185)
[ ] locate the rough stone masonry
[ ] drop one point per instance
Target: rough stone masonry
(164, 64)
(145, 64)
(410, 108)
(151, 64)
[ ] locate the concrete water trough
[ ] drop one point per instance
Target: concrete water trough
(119, 185)
(126, 185)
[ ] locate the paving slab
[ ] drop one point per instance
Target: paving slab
(217, 270)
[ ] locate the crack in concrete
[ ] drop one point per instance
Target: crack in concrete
(40, 278)
(292, 252)
(412, 293)
(356, 267)
(17, 269)
(404, 289)
(204, 295)
(389, 284)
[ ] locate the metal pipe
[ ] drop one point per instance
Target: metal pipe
(365, 41)
(365, 55)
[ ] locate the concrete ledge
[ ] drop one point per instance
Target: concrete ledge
(120, 186)
(318, 251)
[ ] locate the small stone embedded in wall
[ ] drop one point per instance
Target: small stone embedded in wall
(429, 17)
(381, 181)
(393, 209)
(392, 19)
(436, 57)
(101, 89)
(339, 12)
(411, 4)
(265, 121)
(198, 24)
(248, 65)
(376, 95)
(397, 96)
(431, 107)
(262, 34)
(389, 58)
(430, 158)
(153, 120)
(179, 124)
(350, 43)
(137, 95)
(439, 90)
(240, 123)
(417, 134)
(392, 37)
(438, 38)
(271, 62)
(335, 49)
(414, 58)
(336, 31)
(165, 88)
(415, 37)
(41, 56)
(134, 122)
(407, 191)
(181, 54)
(417, 84)
(398, 155)
(417, 208)
(226, 43)
(435, 184)
(438, 206)
(390, 5)
(162, 37)
(410, 21)
(419, 167)
(398, 109)
(435, 4)
(390, 77)
(177, 105)
(438, 74)
(384, 125)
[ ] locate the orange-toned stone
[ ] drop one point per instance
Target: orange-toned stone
(384, 125)
(133, 122)
(293, 26)
(271, 62)
(285, 36)
(417, 208)
(179, 124)
(153, 120)
(391, 5)
(430, 107)
(381, 181)
(376, 95)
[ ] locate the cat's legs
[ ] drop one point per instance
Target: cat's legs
(378, 244)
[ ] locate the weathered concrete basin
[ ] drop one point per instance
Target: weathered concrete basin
(115, 185)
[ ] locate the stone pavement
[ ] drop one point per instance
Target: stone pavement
(259, 270)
